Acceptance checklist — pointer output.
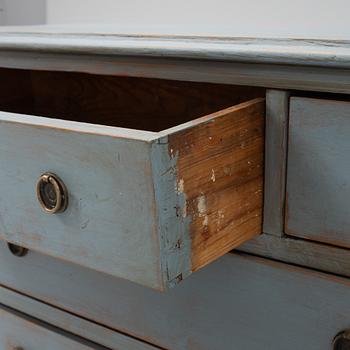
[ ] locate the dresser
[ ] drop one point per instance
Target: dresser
(168, 192)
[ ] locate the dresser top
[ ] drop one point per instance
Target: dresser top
(103, 40)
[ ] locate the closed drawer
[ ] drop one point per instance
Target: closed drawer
(318, 182)
(222, 307)
(151, 206)
(19, 332)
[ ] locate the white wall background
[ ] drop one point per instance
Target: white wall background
(269, 18)
(22, 12)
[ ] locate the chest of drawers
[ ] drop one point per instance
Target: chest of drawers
(129, 163)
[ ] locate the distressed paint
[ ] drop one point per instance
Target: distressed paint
(60, 40)
(113, 174)
(228, 211)
(108, 177)
(70, 323)
(305, 309)
(173, 225)
(277, 112)
(18, 331)
(289, 249)
(319, 148)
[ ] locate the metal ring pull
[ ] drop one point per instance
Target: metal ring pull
(52, 193)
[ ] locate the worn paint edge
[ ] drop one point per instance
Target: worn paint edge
(173, 227)
(74, 126)
(333, 53)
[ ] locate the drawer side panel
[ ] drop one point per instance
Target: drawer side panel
(215, 165)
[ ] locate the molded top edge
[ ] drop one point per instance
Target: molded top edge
(66, 40)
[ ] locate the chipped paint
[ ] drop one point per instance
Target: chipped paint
(180, 186)
(172, 214)
(212, 178)
(202, 209)
(201, 206)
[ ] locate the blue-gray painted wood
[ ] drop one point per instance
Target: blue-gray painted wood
(124, 194)
(277, 111)
(70, 323)
(301, 252)
(20, 332)
(97, 40)
(318, 185)
(238, 302)
(281, 64)
(109, 224)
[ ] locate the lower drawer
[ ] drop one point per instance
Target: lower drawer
(237, 303)
(18, 332)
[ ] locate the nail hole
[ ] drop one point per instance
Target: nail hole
(17, 250)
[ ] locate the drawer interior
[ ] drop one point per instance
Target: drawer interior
(128, 102)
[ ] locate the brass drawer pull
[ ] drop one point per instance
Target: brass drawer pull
(52, 193)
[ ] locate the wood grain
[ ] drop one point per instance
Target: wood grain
(218, 158)
(135, 103)
(220, 172)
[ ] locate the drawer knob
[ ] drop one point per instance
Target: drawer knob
(17, 250)
(52, 193)
(342, 341)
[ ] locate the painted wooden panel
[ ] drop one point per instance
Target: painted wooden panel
(291, 249)
(69, 323)
(277, 111)
(318, 185)
(105, 188)
(143, 206)
(104, 40)
(238, 302)
(20, 332)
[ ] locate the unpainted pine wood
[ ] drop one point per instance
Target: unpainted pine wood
(19, 332)
(238, 302)
(318, 186)
(219, 171)
(136, 103)
(277, 112)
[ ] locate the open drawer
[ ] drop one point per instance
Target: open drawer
(120, 175)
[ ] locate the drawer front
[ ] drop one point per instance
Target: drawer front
(318, 180)
(18, 332)
(148, 207)
(224, 306)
